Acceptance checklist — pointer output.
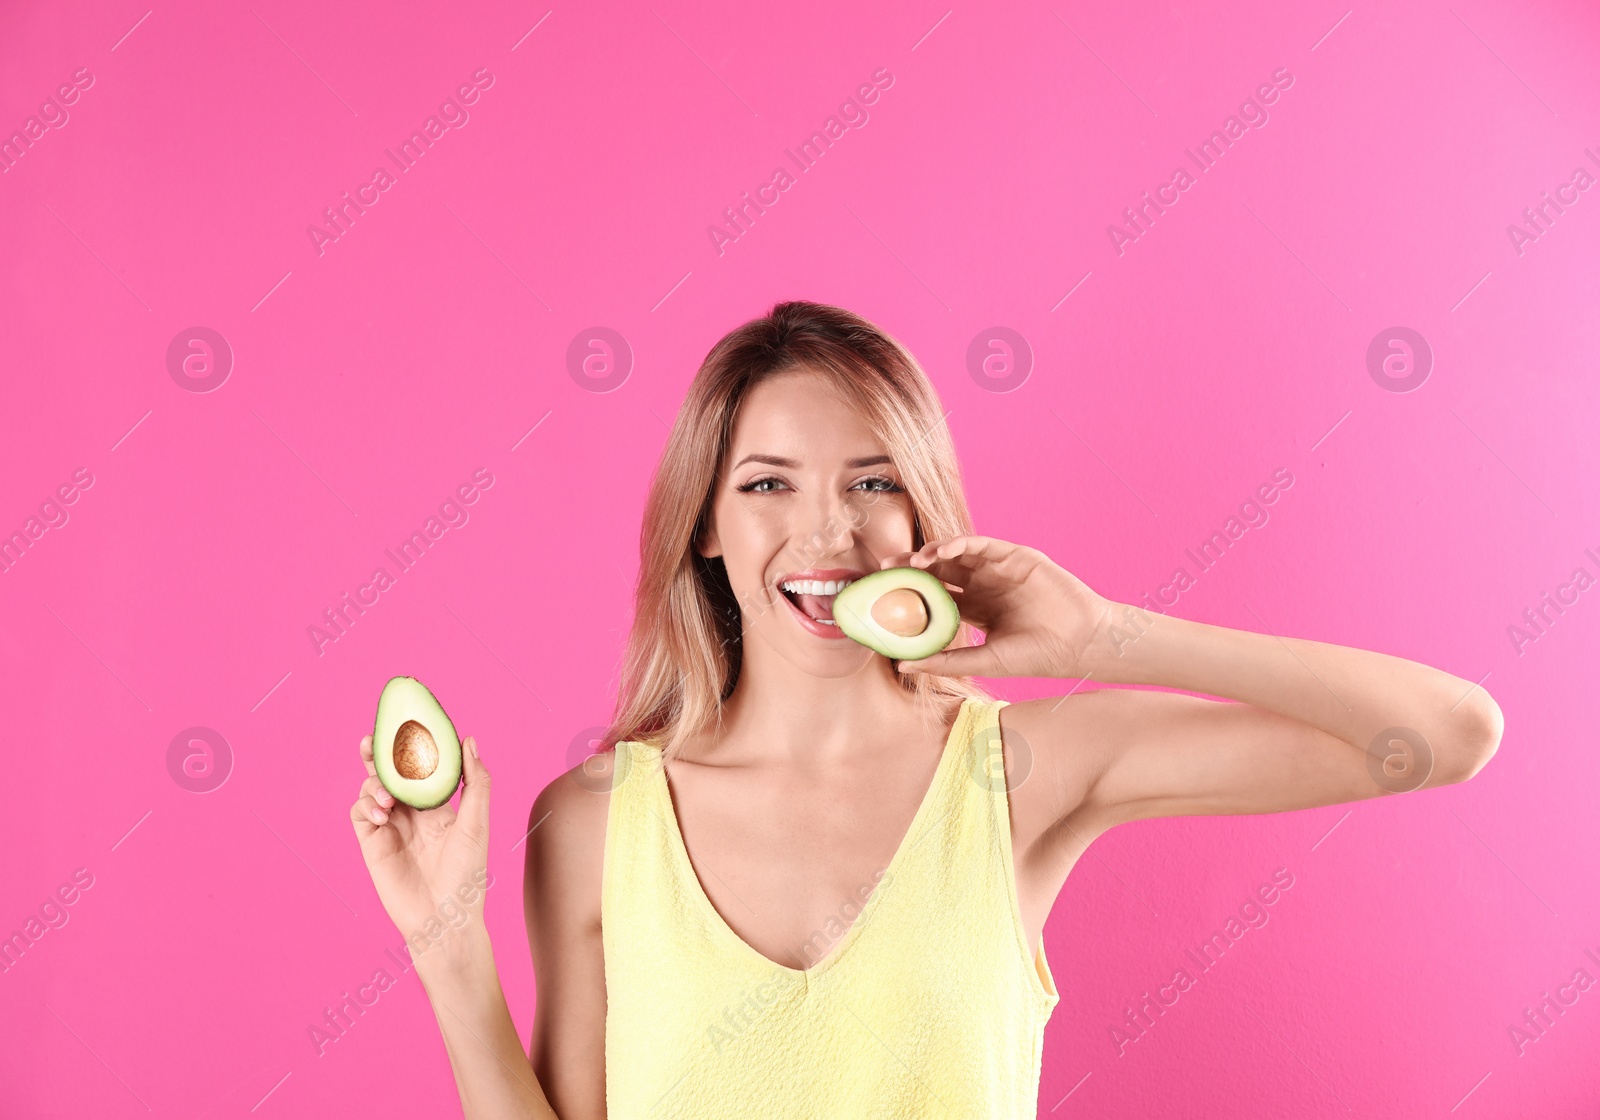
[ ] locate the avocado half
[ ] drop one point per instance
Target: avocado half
(414, 745)
(903, 613)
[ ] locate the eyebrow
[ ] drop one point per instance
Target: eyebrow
(780, 461)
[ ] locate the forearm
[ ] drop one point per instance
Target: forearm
(492, 1071)
(1350, 693)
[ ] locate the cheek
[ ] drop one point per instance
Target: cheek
(751, 538)
(749, 534)
(748, 524)
(885, 525)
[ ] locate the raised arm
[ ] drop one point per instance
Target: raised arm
(1313, 723)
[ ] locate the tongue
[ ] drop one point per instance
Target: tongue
(817, 606)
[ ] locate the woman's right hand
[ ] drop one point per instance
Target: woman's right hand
(429, 865)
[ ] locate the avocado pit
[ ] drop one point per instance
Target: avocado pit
(416, 755)
(901, 612)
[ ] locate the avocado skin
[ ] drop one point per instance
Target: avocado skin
(460, 766)
(852, 607)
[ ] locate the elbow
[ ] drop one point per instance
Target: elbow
(1478, 737)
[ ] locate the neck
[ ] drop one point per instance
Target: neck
(782, 712)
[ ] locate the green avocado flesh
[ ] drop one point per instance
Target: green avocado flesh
(414, 745)
(902, 613)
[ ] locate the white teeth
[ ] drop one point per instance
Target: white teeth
(815, 586)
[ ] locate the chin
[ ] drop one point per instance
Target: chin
(833, 660)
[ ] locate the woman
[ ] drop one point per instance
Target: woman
(809, 881)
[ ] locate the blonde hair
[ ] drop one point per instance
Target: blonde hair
(684, 648)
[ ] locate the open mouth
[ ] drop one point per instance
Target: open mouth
(814, 597)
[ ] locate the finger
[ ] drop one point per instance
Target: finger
(967, 661)
(376, 790)
(958, 560)
(942, 547)
(474, 812)
(368, 811)
(955, 568)
(366, 755)
(968, 551)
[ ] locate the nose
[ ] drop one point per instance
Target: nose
(829, 529)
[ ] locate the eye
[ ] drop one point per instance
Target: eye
(878, 484)
(759, 485)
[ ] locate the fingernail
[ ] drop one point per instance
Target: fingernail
(379, 816)
(385, 797)
(472, 745)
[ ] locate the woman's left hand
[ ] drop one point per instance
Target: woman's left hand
(1038, 619)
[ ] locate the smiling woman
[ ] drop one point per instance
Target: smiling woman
(761, 766)
(842, 440)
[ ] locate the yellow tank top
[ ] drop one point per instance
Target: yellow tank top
(927, 1004)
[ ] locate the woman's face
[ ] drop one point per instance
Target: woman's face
(805, 501)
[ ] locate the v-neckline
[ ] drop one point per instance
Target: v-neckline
(680, 852)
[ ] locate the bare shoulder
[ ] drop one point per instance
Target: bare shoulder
(1056, 748)
(1067, 729)
(565, 838)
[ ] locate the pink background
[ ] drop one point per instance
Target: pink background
(369, 381)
